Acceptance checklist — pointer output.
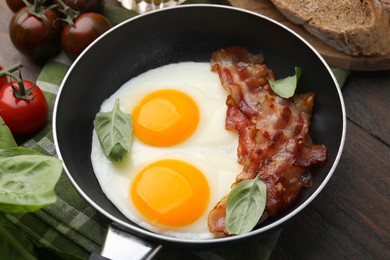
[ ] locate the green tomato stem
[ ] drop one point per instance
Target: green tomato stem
(37, 4)
(8, 71)
(21, 91)
(70, 13)
(37, 9)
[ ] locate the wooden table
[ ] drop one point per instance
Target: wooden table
(350, 219)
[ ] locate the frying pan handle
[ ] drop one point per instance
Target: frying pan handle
(120, 244)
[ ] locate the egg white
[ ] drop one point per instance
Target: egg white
(211, 148)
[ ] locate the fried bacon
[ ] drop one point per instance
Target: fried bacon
(273, 138)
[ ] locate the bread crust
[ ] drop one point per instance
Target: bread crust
(386, 6)
(370, 38)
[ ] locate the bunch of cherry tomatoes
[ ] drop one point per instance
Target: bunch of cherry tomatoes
(40, 29)
(23, 106)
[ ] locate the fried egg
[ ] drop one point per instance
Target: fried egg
(182, 160)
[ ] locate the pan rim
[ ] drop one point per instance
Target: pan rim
(133, 228)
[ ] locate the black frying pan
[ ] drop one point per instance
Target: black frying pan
(188, 33)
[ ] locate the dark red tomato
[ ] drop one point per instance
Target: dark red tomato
(87, 27)
(16, 5)
(35, 37)
(23, 117)
(3, 80)
(85, 6)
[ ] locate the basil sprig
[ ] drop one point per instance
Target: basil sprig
(114, 130)
(285, 87)
(245, 206)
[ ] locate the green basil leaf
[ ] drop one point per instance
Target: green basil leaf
(16, 151)
(285, 87)
(6, 138)
(341, 75)
(245, 206)
(27, 180)
(114, 130)
(14, 243)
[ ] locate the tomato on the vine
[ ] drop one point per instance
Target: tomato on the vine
(85, 29)
(23, 117)
(23, 106)
(35, 31)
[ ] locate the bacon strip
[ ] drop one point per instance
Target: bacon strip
(273, 138)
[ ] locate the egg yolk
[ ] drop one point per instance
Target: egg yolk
(165, 117)
(170, 192)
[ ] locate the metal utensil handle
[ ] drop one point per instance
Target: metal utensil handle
(120, 244)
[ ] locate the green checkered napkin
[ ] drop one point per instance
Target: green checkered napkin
(71, 227)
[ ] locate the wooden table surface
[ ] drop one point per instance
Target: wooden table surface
(350, 219)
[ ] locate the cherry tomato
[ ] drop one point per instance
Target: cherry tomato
(23, 117)
(3, 80)
(16, 5)
(33, 36)
(85, 6)
(87, 27)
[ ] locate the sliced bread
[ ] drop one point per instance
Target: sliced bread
(355, 27)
